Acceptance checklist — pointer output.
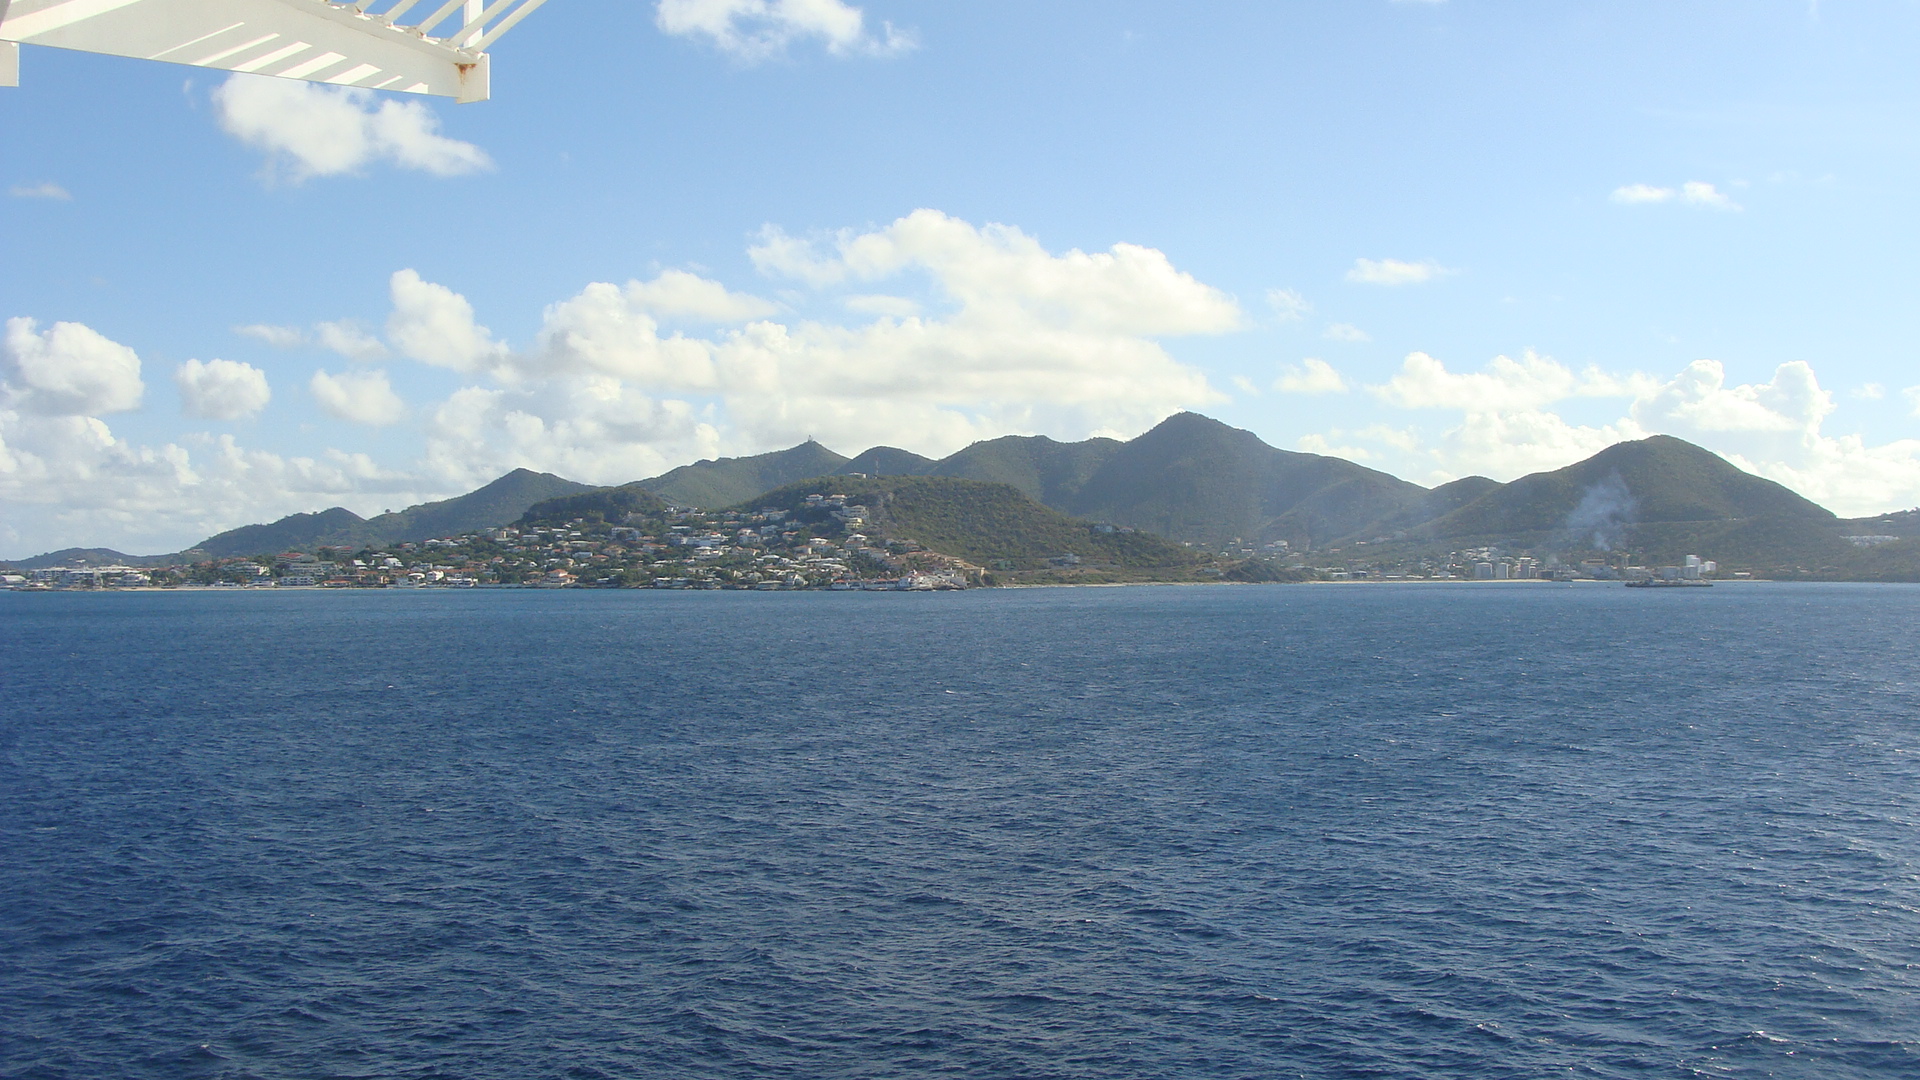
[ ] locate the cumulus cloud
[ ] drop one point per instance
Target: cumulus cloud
(66, 478)
(1510, 423)
(359, 397)
(755, 30)
(1633, 194)
(349, 340)
(69, 480)
(1022, 339)
(1505, 384)
(221, 389)
(1313, 376)
(1346, 332)
(1691, 193)
(70, 369)
(591, 428)
(345, 337)
(1287, 305)
(1395, 272)
(1698, 400)
(606, 331)
(47, 190)
(1776, 429)
(899, 307)
(999, 269)
(435, 325)
(678, 293)
(308, 130)
(280, 337)
(1368, 443)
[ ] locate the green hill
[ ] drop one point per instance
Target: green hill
(90, 557)
(1047, 471)
(887, 461)
(1436, 503)
(604, 504)
(712, 484)
(1655, 480)
(1193, 478)
(337, 525)
(984, 523)
(497, 503)
(1899, 523)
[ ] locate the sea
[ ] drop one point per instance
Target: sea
(1466, 830)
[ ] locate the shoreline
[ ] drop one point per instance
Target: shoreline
(313, 589)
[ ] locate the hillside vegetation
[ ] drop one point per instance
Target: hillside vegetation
(1654, 480)
(1201, 482)
(987, 524)
(887, 461)
(596, 504)
(495, 504)
(1194, 478)
(1047, 471)
(721, 482)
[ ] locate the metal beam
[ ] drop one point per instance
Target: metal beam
(315, 40)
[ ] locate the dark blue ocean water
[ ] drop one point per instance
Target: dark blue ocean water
(1371, 831)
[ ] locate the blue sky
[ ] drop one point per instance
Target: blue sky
(1439, 238)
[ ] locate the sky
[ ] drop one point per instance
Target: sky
(1437, 238)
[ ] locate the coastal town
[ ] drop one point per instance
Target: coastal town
(825, 543)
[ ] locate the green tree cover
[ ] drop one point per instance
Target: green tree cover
(726, 481)
(597, 504)
(983, 523)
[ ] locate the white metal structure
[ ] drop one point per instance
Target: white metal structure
(317, 40)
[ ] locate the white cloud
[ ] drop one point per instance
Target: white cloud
(280, 337)
(1634, 194)
(221, 389)
(1508, 444)
(69, 480)
(1504, 384)
(1345, 332)
(678, 293)
(1396, 272)
(591, 428)
(434, 325)
(1912, 394)
(754, 30)
(1872, 391)
(69, 370)
(778, 254)
(1313, 376)
(1699, 193)
(66, 478)
(603, 331)
(1384, 440)
(1026, 340)
(1509, 426)
(47, 190)
(350, 340)
(999, 269)
(1775, 429)
(345, 337)
(1693, 193)
(360, 397)
(1698, 400)
(1287, 305)
(900, 307)
(309, 130)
